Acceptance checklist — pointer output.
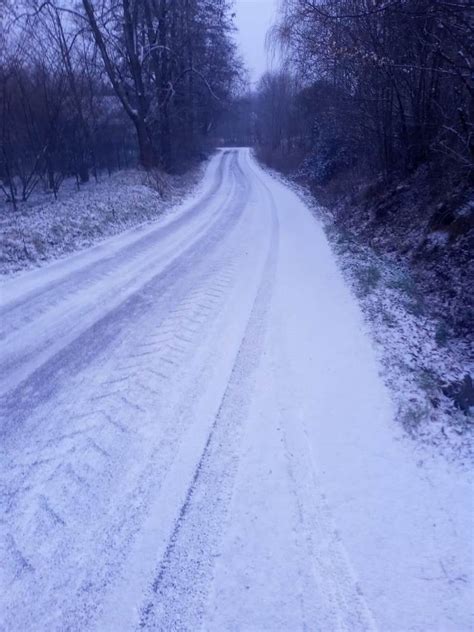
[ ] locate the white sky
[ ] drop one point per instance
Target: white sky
(253, 17)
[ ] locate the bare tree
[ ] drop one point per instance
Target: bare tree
(400, 72)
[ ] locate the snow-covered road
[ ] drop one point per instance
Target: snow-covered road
(195, 435)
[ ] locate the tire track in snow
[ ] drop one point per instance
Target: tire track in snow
(81, 350)
(78, 310)
(19, 313)
(179, 590)
(338, 599)
(71, 455)
(79, 457)
(339, 603)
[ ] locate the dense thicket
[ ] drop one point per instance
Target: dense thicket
(381, 85)
(101, 84)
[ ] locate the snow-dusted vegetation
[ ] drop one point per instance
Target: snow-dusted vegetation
(44, 228)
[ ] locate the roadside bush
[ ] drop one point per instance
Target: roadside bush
(368, 278)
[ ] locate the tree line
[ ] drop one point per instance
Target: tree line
(370, 85)
(96, 85)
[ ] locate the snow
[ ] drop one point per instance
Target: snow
(403, 516)
(417, 354)
(417, 357)
(197, 436)
(44, 229)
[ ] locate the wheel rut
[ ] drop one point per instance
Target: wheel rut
(104, 453)
(183, 576)
(19, 313)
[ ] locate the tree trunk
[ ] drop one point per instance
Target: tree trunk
(145, 147)
(83, 171)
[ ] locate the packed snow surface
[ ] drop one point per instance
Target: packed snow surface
(195, 435)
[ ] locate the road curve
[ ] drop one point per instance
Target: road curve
(164, 398)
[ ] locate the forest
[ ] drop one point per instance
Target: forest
(366, 86)
(100, 85)
(384, 86)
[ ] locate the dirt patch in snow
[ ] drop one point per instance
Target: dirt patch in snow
(43, 229)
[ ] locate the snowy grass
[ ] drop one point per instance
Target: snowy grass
(44, 229)
(419, 359)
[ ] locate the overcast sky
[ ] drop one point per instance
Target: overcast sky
(253, 17)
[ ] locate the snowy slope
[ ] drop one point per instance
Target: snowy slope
(195, 435)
